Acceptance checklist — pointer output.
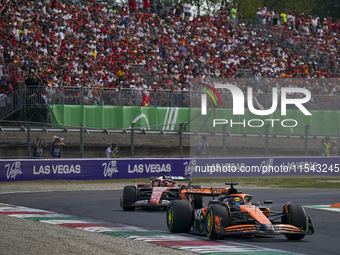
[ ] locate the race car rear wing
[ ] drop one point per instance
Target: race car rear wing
(174, 178)
(204, 191)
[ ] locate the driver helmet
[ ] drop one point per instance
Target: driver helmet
(233, 200)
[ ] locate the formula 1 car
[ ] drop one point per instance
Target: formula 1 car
(233, 213)
(158, 194)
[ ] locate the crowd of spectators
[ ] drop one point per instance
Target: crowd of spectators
(93, 45)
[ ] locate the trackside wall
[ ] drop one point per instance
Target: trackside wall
(101, 169)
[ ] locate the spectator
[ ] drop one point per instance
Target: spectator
(66, 42)
(334, 149)
(234, 14)
(3, 98)
(31, 82)
(38, 149)
(259, 17)
(112, 151)
(152, 6)
(202, 147)
(326, 147)
(146, 5)
(179, 8)
(159, 7)
(187, 9)
(315, 23)
(55, 148)
(132, 6)
(276, 19)
(320, 147)
(140, 4)
(291, 20)
(10, 94)
(283, 17)
(228, 13)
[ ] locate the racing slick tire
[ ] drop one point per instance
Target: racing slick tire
(295, 216)
(129, 197)
(219, 213)
(179, 216)
(197, 201)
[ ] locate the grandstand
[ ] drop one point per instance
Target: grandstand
(98, 54)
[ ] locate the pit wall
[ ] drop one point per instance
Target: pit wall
(106, 169)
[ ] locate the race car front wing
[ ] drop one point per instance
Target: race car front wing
(146, 203)
(264, 229)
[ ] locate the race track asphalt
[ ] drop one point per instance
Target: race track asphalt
(104, 205)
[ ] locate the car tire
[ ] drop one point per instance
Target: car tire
(129, 197)
(296, 216)
(179, 216)
(197, 201)
(221, 212)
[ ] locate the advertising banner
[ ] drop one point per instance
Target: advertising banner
(263, 166)
(104, 169)
(111, 117)
(88, 169)
(168, 118)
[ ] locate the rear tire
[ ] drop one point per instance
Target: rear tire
(197, 200)
(179, 216)
(295, 216)
(129, 197)
(216, 212)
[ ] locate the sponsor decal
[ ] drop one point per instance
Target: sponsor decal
(170, 118)
(56, 169)
(13, 169)
(189, 167)
(140, 116)
(110, 168)
(149, 168)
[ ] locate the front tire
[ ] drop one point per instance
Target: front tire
(129, 197)
(217, 218)
(295, 216)
(179, 216)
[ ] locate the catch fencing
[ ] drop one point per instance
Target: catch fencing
(135, 142)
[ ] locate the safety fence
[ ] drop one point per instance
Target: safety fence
(41, 97)
(22, 141)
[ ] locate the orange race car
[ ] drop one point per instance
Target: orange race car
(233, 213)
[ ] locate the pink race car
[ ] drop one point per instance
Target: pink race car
(158, 194)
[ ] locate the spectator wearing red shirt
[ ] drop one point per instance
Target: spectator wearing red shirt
(53, 4)
(132, 6)
(146, 4)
